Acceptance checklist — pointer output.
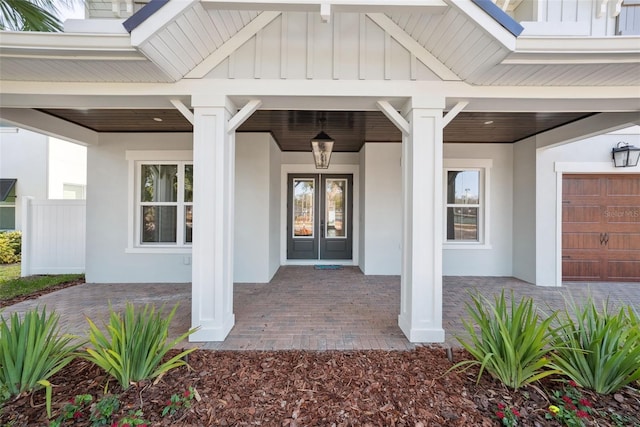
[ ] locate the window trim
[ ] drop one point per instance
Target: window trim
(135, 159)
(484, 229)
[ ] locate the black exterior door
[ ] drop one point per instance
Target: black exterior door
(319, 216)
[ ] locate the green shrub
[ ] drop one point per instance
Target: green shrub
(512, 341)
(10, 247)
(599, 350)
(137, 345)
(32, 350)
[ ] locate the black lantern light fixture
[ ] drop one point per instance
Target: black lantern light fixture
(322, 145)
(625, 155)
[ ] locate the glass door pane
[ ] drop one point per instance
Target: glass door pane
(335, 206)
(303, 207)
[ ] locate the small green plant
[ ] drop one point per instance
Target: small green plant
(570, 409)
(103, 410)
(507, 416)
(512, 341)
(32, 350)
(10, 247)
(179, 401)
(76, 409)
(134, 418)
(136, 346)
(599, 350)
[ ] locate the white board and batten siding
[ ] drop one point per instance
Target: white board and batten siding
(53, 239)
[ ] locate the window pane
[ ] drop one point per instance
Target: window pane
(159, 224)
(7, 218)
(463, 187)
(303, 209)
(335, 205)
(159, 183)
(188, 224)
(188, 183)
(462, 224)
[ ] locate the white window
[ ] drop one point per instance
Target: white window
(7, 204)
(466, 199)
(161, 210)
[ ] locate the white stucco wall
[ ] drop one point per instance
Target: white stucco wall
(256, 208)
(67, 165)
(274, 208)
(591, 155)
(107, 213)
(382, 233)
(496, 260)
(23, 156)
(524, 210)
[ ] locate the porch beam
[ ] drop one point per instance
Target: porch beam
(184, 110)
(231, 45)
(393, 115)
(242, 115)
(453, 112)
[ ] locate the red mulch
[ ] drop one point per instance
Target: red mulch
(10, 301)
(305, 388)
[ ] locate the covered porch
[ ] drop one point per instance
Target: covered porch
(308, 309)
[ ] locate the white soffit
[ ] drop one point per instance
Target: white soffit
(567, 61)
(28, 56)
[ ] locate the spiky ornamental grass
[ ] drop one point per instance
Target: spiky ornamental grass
(598, 349)
(512, 341)
(32, 350)
(137, 344)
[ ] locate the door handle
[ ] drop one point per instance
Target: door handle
(322, 228)
(604, 238)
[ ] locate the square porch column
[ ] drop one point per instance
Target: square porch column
(421, 278)
(212, 249)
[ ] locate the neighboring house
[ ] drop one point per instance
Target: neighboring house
(454, 128)
(38, 166)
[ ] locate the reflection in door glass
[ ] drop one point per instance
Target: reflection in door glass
(303, 209)
(335, 207)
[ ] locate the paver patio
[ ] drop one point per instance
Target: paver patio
(304, 308)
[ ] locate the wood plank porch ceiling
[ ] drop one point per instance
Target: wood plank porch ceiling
(351, 129)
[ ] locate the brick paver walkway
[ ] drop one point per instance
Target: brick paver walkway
(304, 308)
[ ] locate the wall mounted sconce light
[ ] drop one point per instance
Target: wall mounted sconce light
(322, 145)
(625, 155)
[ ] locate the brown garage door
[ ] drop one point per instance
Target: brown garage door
(601, 227)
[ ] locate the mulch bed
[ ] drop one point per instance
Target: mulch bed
(10, 301)
(305, 388)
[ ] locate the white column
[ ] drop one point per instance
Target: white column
(421, 279)
(212, 250)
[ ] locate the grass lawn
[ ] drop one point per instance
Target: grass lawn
(12, 285)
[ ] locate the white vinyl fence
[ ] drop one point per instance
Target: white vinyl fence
(53, 236)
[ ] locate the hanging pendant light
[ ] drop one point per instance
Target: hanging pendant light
(322, 145)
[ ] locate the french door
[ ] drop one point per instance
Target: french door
(319, 216)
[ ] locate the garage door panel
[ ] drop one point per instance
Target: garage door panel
(581, 214)
(622, 214)
(623, 270)
(624, 242)
(581, 269)
(581, 241)
(623, 186)
(579, 186)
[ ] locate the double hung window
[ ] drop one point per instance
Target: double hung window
(161, 207)
(466, 198)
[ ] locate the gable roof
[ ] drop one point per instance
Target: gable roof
(472, 41)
